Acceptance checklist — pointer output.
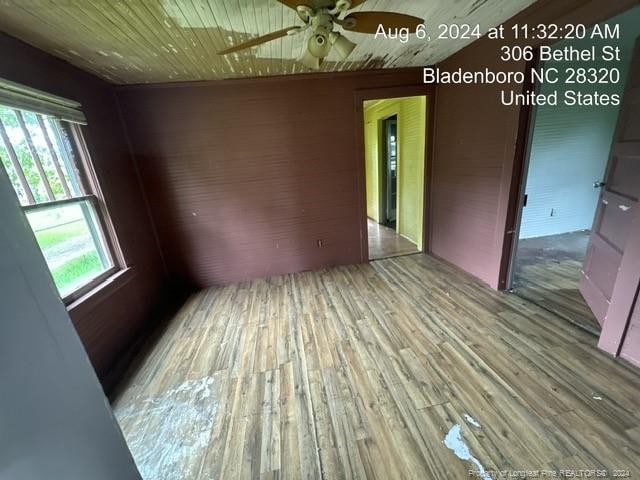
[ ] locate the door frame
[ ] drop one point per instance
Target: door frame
(526, 124)
(383, 93)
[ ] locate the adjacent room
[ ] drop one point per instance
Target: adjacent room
(566, 170)
(249, 240)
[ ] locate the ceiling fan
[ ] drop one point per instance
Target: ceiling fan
(320, 16)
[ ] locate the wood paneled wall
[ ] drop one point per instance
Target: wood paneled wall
(109, 321)
(249, 178)
(258, 177)
(476, 148)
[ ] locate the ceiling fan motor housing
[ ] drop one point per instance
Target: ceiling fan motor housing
(322, 26)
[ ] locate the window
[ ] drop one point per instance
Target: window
(45, 159)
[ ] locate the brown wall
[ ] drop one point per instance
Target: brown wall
(107, 322)
(245, 177)
(475, 146)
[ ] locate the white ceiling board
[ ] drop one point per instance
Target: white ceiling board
(152, 41)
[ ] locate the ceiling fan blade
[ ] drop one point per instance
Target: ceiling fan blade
(368, 22)
(258, 40)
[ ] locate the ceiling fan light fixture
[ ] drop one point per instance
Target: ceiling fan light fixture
(310, 61)
(319, 45)
(342, 45)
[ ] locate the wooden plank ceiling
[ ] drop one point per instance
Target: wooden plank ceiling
(154, 41)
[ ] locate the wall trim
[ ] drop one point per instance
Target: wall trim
(272, 78)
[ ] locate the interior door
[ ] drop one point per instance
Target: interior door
(617, 203)
(391, 134)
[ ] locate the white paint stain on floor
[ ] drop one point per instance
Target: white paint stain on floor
(472, 421)
(182, 420)
(454, 441)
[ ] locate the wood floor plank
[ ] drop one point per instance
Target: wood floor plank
(547, 271)
(362, 372)
(270, 454)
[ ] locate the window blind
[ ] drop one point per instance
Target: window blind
(20, 97)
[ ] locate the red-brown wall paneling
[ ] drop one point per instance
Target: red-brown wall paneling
(108, 322)
(475, 147)
(250, 178)
(474, 144)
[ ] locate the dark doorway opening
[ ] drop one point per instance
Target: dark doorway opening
(390, 170)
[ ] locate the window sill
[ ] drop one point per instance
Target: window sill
(102, 291)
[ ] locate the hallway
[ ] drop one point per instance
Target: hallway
(384, 242)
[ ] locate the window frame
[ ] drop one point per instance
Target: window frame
(93, 194)
(93, 283)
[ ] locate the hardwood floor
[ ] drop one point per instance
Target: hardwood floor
(548, 273)
(383, 370)
(384, 242)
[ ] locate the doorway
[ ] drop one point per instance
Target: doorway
(390, 170)
(394, 139)
(567, 178)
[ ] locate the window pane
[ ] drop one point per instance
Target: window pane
(71, 241)
(61, 142)
(48, 166)
(44, 153)
(64, 154)
(13, 175)
(19, 144)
